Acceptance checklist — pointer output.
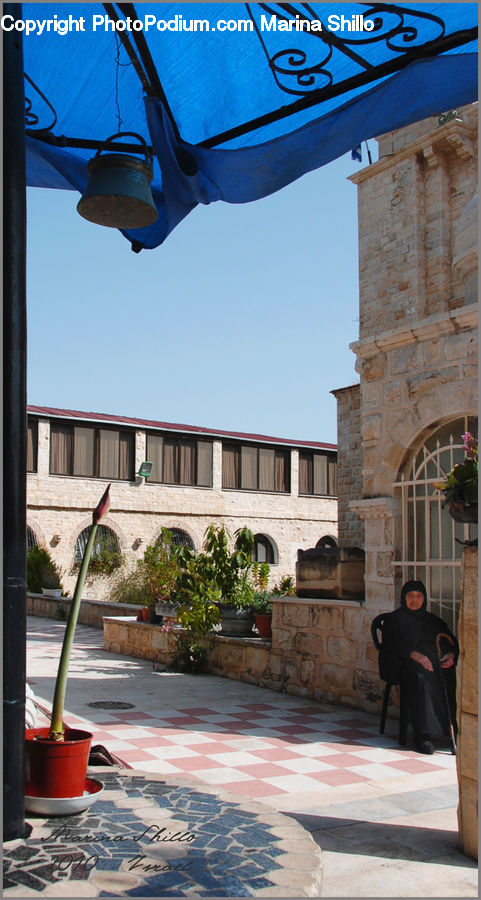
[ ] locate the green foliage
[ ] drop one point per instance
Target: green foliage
(461, 483)
(260, 575)
(189, 654)
(153, 578)
(226, 570)
(244, 595)
(262, 603)
(202, 613)
(42, 572)
(129, 587)
(105, 562)
(285, 586)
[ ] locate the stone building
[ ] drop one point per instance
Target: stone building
(285, 491)
(400, 429)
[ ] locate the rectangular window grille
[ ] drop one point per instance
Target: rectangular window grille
(317, 474)
(32, 445)
(246, 467)
(180, 460)
(91, 452)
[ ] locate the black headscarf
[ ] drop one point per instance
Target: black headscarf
(414, 586)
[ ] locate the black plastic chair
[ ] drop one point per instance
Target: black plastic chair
(376, 634)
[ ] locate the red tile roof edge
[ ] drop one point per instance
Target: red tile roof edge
(52, 412)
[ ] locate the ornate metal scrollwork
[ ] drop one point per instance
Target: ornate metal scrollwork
(304, 68)
(43, 108)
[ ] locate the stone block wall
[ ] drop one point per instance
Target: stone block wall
(410, 202)
(349, 467)
(417, 348)
(320, 649)
(62, 505)
(91, 611)
(418, 339)
(467, 701)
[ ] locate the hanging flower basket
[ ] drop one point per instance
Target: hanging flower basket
(464, 512)
(460, 486)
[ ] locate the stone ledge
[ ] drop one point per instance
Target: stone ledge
(375, 507)
(461, 319)
(455, 137)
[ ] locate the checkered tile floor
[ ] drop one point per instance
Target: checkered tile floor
(258, 750)
(255, 749)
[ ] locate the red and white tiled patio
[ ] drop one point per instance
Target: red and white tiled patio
(318, 762)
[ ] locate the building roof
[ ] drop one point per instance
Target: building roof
(54, 413)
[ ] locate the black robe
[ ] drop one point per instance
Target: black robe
(404, 631)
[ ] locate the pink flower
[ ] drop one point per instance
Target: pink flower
(102, 507)
(470, 445)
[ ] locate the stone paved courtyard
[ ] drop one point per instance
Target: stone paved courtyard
(333, 808)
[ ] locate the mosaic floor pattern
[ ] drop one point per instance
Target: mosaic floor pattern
(147, 838)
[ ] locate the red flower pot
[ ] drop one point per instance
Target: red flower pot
(56, 768)
(145, 614)
(264, 624)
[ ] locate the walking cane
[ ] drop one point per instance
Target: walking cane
(445, 693)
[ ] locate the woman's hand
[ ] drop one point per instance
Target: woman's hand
(447, 660)
(423, 660)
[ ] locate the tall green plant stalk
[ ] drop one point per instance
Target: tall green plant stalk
(56, 726)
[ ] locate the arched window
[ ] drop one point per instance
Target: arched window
(31, 539)
(431, 543)
(106, 554)
(180, 538)
(264, 549)
(326, 541)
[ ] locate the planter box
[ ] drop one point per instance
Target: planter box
(331, 572)
(167, 610)
(236, 622)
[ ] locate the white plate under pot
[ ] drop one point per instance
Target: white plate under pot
(65, 806)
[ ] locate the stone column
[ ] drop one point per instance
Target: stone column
(43, 452)
(217, 466)
(467, 700)
(378, 515)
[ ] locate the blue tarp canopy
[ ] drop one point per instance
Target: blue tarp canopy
(237, 100)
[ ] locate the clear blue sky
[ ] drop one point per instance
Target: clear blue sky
(241, 321)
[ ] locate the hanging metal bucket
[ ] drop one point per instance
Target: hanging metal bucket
(118, 192)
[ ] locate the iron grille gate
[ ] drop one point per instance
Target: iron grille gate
(431, 542)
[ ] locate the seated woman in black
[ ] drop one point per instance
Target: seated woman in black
(409, 655)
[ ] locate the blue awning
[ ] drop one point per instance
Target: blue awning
(236, 100)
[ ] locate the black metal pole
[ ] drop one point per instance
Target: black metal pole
(15, 428)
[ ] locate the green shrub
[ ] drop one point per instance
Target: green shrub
(284, 587)
(42, 572)
(129, 587)
(104, 562)
(153, 578)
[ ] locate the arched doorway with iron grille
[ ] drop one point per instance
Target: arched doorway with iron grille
(430, 545)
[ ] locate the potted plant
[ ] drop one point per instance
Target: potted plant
(151, 582)
(197, 617)
(43, 576)
(261, 604)
(238, 614)
(56, 757)
(228, 572)
(460, 485)
(263, 599)
(262, 607)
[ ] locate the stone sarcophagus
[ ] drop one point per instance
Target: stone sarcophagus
(336, 572)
